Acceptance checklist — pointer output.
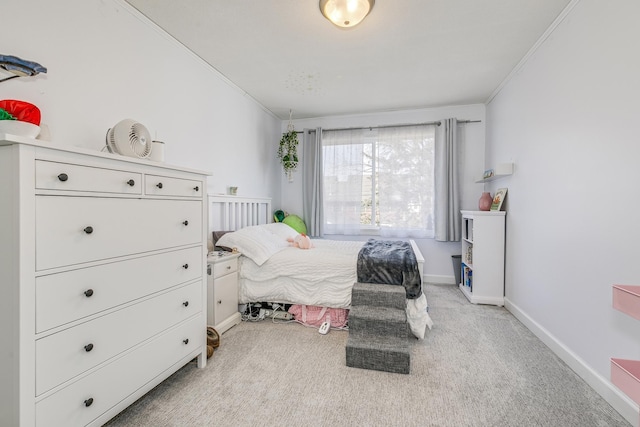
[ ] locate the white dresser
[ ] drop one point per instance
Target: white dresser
(102, 280)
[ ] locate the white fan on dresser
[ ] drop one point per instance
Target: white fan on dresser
(129, 138)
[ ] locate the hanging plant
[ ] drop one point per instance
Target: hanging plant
(288, 150)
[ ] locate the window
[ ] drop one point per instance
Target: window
(379, 181)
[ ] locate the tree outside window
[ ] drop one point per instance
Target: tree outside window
(379, 181)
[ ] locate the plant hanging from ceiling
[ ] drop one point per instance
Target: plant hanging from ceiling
(288, 150)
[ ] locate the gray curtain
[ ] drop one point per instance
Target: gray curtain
(312, 176)
(447, 183)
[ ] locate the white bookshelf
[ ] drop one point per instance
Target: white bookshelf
(483, 239)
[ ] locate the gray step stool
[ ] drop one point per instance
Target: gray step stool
(378, 329)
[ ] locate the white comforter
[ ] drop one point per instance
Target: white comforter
(321, 276)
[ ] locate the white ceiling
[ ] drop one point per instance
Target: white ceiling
(406, 54)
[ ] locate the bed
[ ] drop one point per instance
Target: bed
(271, 270)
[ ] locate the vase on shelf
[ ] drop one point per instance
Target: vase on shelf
(484, 204)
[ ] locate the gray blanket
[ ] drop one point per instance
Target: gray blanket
(390, 262)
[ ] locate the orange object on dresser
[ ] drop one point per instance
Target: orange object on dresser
(22, 110)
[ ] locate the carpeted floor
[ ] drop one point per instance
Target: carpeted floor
(478, 366)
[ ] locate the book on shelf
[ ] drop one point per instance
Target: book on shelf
(467, 277)
(468, 229)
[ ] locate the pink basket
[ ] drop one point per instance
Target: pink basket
(314, 315)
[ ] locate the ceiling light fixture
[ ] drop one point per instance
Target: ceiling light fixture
(346, 13)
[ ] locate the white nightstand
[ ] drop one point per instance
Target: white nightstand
(222, 290)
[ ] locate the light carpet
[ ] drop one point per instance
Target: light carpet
(478, 366)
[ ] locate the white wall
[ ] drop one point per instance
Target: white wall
(438, 266)
(106, 62)
(568, 120)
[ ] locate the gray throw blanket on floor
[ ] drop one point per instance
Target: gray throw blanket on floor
(392, 263)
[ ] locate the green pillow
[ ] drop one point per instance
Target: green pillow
(295, 222)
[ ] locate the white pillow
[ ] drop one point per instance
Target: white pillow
(254, 242)
(280, 229)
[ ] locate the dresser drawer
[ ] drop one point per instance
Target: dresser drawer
(112, 383)
(73, 230)
(221, 268)
(165, 186)
(63, 176)
(62, 356)
(64, 297)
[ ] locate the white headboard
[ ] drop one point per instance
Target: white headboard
(230, 213)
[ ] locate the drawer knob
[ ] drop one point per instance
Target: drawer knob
(131, 183)
(88, 230)
(159, 185)
(88, 402)
(63, 177)
(186, 303)
(219, 301)
(196, 188)
(88, 293)
(185, 266)
(228, 267)
(88, 347)
(186, 341)
(185, 223)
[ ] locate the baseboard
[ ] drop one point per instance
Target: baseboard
(603, 386)
(228, 323)
(433, 278)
